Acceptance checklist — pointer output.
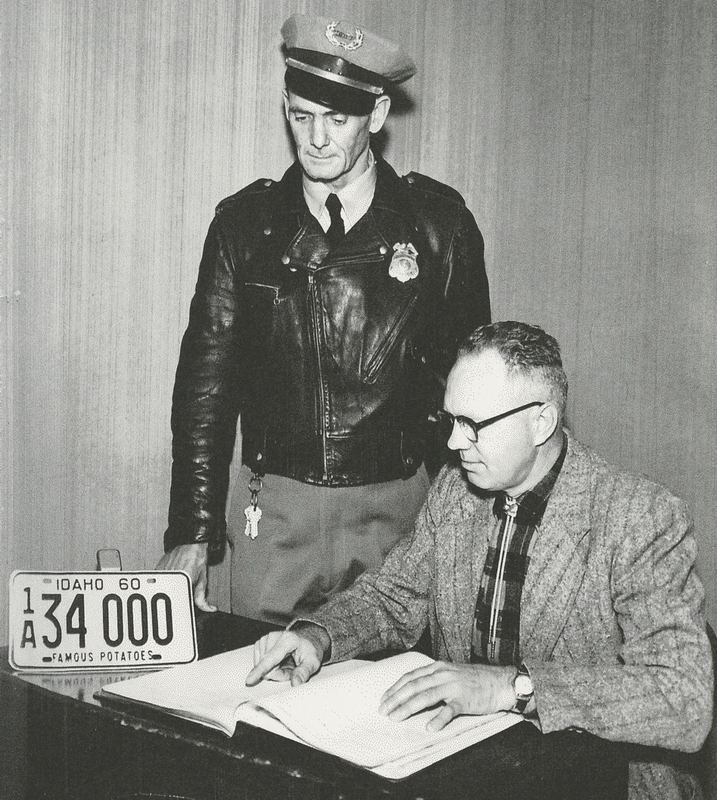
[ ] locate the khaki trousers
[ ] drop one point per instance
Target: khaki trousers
(313, 541)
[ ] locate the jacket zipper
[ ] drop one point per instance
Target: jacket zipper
(313, 308)
(379, 356)
(274, 289)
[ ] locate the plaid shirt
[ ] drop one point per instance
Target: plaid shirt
(496, 627)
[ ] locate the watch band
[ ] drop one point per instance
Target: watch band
(523, 687)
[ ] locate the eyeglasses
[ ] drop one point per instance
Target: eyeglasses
(470, 428)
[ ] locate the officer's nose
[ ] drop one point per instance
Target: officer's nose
(319, 136)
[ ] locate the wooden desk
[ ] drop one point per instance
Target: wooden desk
(57, 742)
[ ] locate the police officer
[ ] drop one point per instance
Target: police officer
(327, 313)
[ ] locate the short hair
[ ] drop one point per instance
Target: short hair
(526, 350)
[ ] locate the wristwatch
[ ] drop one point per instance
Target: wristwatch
(523, 688)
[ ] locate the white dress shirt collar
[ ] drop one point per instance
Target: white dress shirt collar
(355, 198)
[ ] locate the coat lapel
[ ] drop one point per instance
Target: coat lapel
(462, 558)
(559, 558)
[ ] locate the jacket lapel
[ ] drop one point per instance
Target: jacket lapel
(391, 207)
(463, 557)
(559, 558)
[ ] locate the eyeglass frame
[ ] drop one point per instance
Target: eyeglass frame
(477, 427)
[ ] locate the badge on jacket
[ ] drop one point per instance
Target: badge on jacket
(404, 264)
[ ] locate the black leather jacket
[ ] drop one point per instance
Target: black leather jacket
(333, 363)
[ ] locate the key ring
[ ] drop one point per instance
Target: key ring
(255, 486)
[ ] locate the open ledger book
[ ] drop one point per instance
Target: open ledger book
(335, 711)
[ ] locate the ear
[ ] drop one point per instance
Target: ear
(545, 423)
(286, 103)
(379, 113)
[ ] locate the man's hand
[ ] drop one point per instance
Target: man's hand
(285, 655)
(192, 558)
(456, 688)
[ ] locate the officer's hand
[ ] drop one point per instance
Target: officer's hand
(192, 558)
(283, 656)
(455, 688)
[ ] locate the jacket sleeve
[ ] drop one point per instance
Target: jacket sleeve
(659, 693)
(465, 289)
(205, 405)
(465, 305)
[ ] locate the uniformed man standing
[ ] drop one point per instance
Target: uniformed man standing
(327, 313)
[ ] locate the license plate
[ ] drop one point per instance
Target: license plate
(70, 621)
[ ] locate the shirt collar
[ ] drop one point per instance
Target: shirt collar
(531, 504)
(355, 198)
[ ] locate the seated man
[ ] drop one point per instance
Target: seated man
(553, 583)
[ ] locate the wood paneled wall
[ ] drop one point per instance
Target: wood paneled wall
(581, 132)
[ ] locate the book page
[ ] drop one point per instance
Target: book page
(208, 691)
(486, 726)
(253, 714)
(340, 714)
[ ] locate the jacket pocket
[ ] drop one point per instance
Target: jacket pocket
(259, 292)
(260, 303)
(373, 365)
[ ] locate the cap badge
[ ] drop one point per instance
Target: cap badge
(404, 266)
(341, 39)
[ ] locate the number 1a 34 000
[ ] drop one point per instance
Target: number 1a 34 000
(87, 620)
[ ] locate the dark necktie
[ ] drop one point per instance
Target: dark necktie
(336, 230)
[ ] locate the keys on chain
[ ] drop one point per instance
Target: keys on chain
(253, 515)
(252, 512)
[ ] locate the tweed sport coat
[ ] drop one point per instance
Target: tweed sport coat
(612, 628)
